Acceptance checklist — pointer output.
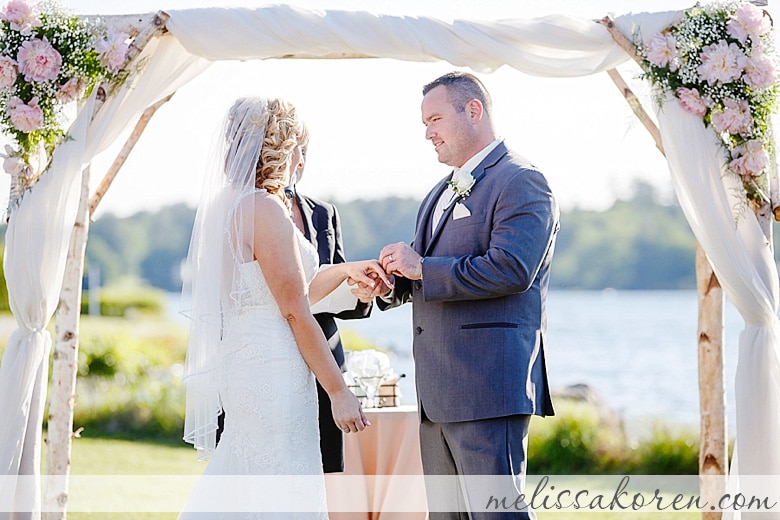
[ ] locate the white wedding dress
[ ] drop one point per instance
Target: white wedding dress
(270, 401)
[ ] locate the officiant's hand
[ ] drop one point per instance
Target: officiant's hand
(400, 259)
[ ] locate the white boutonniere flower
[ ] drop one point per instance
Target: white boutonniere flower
(461, 184)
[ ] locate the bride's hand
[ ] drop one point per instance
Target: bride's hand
(368, 272)
(347, 412)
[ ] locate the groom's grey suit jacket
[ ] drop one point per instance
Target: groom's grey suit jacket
(479, 312)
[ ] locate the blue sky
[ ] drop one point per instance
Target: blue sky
(367, 139)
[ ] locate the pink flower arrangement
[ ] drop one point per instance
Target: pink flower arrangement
(751, 159)
(692, 101)
(719, 62)
(26, 117)
(48, 58)
(13, 164)
(722, 62)
(8, 72)
(70, 91)
(662, 51)
(113, 50)
(22, 17)
(38, 60)
(760, 71)
(748, 22)
(734, 119)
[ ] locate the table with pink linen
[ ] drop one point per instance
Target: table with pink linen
(382, 476)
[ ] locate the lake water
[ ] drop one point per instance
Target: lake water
(637, 349)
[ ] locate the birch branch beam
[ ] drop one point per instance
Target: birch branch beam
(636, 106)
(123, 154)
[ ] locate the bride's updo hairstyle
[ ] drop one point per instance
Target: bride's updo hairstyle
(276, 122)
(284, 131)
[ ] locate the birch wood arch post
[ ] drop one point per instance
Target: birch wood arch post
(67, 317)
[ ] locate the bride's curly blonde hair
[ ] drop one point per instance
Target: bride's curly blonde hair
(284, 130)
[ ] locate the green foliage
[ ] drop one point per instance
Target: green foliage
(369, 225)
(129, 378)
(126, 298)
(580, 440)
(4, 305)
(636, 244)
(577, 440)
(668, 452)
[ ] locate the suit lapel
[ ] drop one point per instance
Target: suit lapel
(479, 172)
(307, 213)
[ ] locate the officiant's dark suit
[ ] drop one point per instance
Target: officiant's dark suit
(478, 283)
(323, 229)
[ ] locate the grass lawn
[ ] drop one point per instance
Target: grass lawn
(140, 461)
(103, 457)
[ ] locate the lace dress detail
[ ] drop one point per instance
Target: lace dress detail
(268, 394)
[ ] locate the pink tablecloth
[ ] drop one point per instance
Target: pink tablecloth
(382, 477)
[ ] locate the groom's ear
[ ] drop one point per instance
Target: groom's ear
(475, 110)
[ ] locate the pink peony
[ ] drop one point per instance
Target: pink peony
(759, 71)
(13, 164)
(113, 50)
(748, 22)
(691, 101)
(8, 72)
(750, 158)
(735, 118)
(25, 117)
(70, 91)
(38, 60)
(21, 16)
(662, 51)
(721, 62)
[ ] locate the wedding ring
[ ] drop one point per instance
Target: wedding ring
(345, 430)
(390, 257)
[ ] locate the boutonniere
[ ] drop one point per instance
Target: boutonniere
(461, 184)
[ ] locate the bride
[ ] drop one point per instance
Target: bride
(254, 344)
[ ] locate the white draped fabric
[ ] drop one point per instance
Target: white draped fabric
(554, 46)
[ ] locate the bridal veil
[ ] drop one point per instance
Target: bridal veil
(210, 272)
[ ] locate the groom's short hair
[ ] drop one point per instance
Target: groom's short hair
(462, 87)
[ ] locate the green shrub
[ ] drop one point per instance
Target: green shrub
(127, 300)
(129, 377)
(668, 451)
(577, 440)
(4, 305)
(149, 406)
(581, 440)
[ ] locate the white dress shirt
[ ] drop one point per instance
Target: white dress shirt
(449, 194)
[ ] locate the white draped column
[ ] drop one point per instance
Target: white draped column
(714, 204)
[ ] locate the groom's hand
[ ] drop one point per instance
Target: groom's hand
(400, 259)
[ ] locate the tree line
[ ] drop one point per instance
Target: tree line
(638, 243)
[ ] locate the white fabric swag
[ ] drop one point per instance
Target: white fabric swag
(553, 46)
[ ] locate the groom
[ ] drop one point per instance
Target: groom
(477, 274)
